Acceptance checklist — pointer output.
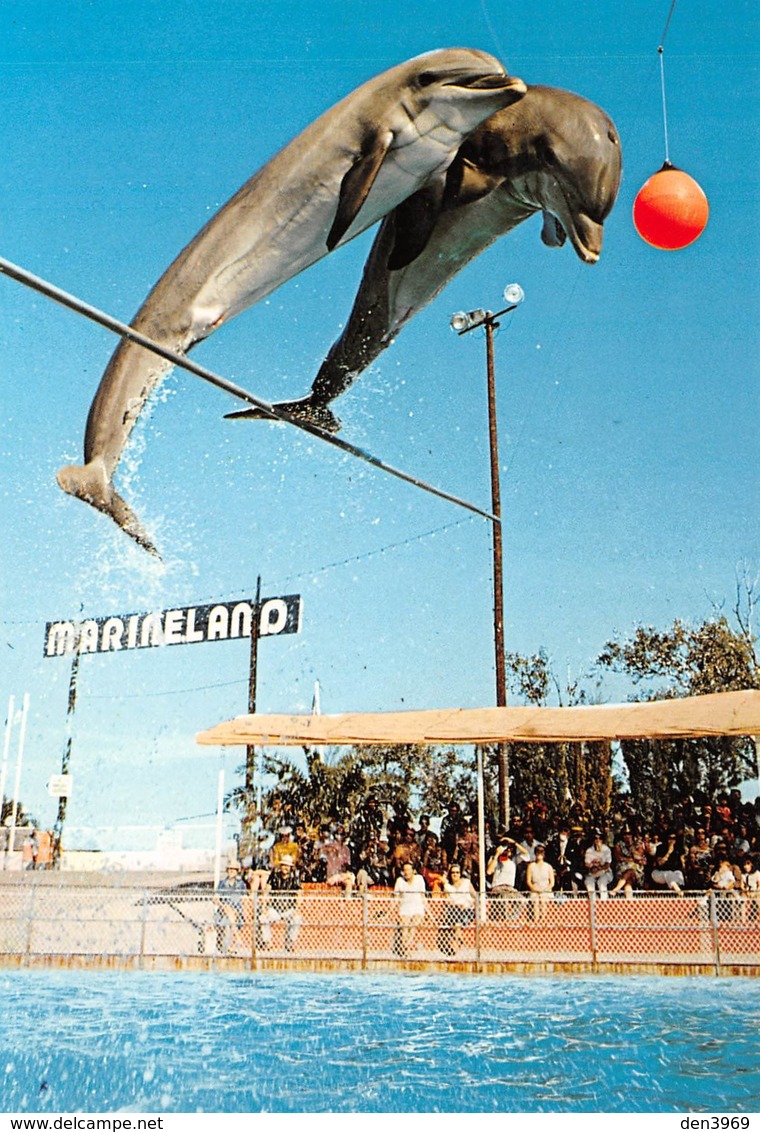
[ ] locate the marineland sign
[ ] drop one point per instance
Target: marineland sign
(192, 624)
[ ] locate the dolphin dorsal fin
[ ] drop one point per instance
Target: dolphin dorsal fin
(356, 184)
(466, 182)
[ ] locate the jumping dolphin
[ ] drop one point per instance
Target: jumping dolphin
(552, 152)
(389, 139)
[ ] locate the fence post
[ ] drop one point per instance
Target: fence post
(592, 926)
(365, 915)
(143, 926)
(255, 926)
(715, 929)
(480, 912)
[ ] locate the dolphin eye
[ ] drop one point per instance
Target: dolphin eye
(427, 78)
(612, 137)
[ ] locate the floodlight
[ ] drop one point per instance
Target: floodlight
(513, 293)
(459, 322)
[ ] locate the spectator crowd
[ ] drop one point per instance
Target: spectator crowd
(697, 846)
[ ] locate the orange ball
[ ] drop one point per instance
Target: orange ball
(670, 210)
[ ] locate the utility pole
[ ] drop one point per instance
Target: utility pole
(463, 323)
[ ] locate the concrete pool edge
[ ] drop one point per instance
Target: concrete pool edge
(238, 964)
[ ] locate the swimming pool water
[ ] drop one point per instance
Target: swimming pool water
(148, 1042)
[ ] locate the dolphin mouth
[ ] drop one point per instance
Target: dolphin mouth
(584, 234)
(586, 237)
(495, 81)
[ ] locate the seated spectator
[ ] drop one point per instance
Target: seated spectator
(708, 820)
(668, 865)
(502, 871)
(283, 892)
(406, 851)
(598, 866)
(539, 877)
(524, 854)
(305, 855)
(258, 864)
(630, 859)
(459, 911)
(375, 866)
(467, 849)
(723, 811)
(750, 889)
(563, 852)
(409, 890)
(434, 863)
(228, 907)
(696, 870)
(741, 839)
(283, 846)
(423, 829)
(702, 845)
(725, 878)
(337, 862)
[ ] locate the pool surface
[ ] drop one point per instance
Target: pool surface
(147, 1042)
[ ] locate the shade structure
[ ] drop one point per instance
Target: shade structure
(722, 713)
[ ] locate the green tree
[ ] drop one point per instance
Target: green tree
(332, 783)
(561, 774)
(684, 660)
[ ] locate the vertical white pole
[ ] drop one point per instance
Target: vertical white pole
(7, 745)
(19, 759)
(4, 768)
(219, 829)
(259, 787)
(481, 833)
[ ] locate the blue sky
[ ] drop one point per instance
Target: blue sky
(628, 395)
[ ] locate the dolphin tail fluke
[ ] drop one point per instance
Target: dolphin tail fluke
(303, 410)
(90, 483)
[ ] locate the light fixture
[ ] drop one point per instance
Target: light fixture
(467, 320)
(459, 322)
(513, 293)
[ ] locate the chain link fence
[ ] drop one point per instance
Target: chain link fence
(713, 930)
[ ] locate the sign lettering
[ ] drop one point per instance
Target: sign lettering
(190, 625)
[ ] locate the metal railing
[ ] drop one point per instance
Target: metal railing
(692, 930)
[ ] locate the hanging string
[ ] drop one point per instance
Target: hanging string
(661, 53)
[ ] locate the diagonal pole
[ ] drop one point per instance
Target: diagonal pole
(13, 271)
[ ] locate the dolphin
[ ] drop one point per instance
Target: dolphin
(552, 152)
(391, 138)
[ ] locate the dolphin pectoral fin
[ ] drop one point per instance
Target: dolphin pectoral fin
(89, 483)
(304, 409)
(355, 186)
(552, 232)
(413, 224)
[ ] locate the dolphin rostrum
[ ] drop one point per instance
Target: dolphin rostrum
(552, 152)
(391, 138)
